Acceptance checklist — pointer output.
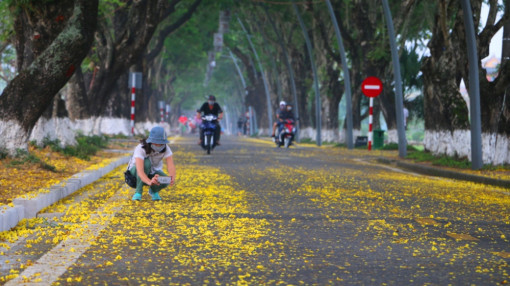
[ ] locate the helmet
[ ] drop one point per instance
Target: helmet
(212, 97)
(282, 103)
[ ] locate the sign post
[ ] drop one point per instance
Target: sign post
(135, 81)
(371, 87)
(162, 111)
(167, 111)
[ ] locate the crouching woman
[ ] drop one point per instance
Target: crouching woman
(147, 164)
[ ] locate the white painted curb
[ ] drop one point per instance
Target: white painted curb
(28, 208)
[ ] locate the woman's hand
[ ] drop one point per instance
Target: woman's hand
(154, 180)
(171, 169)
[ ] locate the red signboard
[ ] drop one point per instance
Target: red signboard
(371, 86)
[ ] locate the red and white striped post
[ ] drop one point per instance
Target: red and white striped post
(133, 94)
(370, 120)
(167, 110)
(371, 87)
(162, 111)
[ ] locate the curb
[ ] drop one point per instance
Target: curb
(29, 207)
(438, 172)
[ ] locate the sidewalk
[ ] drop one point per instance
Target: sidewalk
(27, 206)
(492, 178)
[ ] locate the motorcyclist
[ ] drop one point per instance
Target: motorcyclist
(288, 113)
(285, 115)
(279, 121)
(211, 107)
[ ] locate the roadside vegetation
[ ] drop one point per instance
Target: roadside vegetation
(85, 147)
(47, 163)
(419, 155)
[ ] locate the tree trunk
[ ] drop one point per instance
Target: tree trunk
(29, 94)
(35, 31)
(386, 105)
(76, 103)
(446, 114)
(445, 110)
(494, 96)
(302, 70)
(334, 95)
(363, 32)
(123, 45)
(119, 102)
(256, 91)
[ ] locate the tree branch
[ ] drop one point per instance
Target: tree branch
(168, 11)
(29, 94)
(325, 39)
(490, 30)
(164, 33)
(3, 46)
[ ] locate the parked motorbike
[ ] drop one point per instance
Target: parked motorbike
(286, 135)
(208, 127)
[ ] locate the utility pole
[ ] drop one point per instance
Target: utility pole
(474, 88)
(399, 101)
(315, 77)
(505, 53)
(347, 78)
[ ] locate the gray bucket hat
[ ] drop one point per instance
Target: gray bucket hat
(157, 136)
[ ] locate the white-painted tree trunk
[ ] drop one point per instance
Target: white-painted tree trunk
(12, 136)
(392, 136)
(343, 136)
(54, 128)
(495, 147)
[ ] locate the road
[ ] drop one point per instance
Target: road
(253, 214)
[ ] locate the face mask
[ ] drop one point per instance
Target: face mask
(158, 148)
(211, 102)
(289, 108)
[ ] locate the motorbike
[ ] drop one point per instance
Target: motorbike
(208, 127)
(285, 136)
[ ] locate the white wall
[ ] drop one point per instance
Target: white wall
(65, 129)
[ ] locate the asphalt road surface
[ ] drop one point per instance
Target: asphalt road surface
(253, 214)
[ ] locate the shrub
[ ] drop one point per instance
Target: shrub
(24, 157)
(33, 143)
(53, 144)
(394, 146)
(307, 141)
(3, 153)
(119, 136)
(86, 146)
(454, 162)
(48, 167)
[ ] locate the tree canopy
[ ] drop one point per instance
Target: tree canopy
(185, 53)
